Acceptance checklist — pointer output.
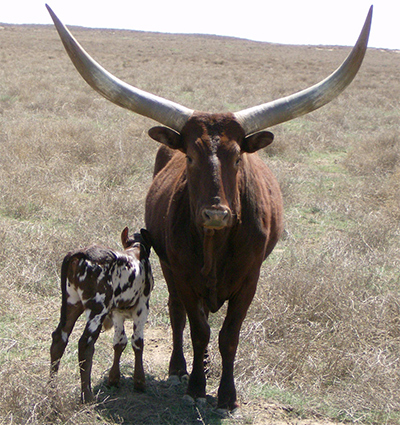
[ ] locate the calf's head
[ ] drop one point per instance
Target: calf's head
(140, 243)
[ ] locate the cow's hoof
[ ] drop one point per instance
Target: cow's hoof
(222, 413)
(174, 380)
(201, 402)
(188, 400)
(185, 379)
(139, 386)
(225, 413)
(87, 397)
(113, 381)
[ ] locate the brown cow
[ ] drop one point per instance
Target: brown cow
(214, 210)
(109, 286)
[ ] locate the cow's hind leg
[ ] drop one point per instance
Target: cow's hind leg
(120, 342)
(96, 316)
(61, 335)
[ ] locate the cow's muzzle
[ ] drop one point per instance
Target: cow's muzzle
(216, 218)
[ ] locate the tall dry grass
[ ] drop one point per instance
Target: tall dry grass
(322, 337)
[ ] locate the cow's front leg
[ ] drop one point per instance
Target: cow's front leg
(86, 351)
(228, 342)
(200, 334)
(177, 314)
(119, 344)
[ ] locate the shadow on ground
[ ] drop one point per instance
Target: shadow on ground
(161, 403)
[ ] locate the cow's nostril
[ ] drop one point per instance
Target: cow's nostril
(206, 216)
(215, 217)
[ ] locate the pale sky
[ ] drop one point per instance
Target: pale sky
(336, 22)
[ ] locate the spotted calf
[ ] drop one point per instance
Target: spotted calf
(110, 286)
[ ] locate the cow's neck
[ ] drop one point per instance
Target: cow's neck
(209, 269)
(208, 245)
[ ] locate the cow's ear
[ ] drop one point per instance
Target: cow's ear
(166, 136)
(257, 141)
(125, 237)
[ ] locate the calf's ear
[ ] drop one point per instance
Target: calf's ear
(125, 237)
(166, 136)
(257, 141)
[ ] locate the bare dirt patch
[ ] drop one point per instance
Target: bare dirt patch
(163, 402)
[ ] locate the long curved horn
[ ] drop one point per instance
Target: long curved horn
(278, 111)
(161, 110)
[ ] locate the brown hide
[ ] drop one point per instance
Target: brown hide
(206, 266)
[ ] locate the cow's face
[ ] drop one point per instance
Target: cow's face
(214, 145)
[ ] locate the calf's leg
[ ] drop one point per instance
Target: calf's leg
(139, 379)
(140, 319)
(61, 335)
(120, 342)
(86, 348)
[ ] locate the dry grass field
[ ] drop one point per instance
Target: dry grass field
(321, 342)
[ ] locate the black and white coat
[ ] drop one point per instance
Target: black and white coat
(109, 286)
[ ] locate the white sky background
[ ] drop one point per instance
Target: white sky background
(317, 22)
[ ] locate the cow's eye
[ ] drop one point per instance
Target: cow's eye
(189, 160)
(237, 162)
